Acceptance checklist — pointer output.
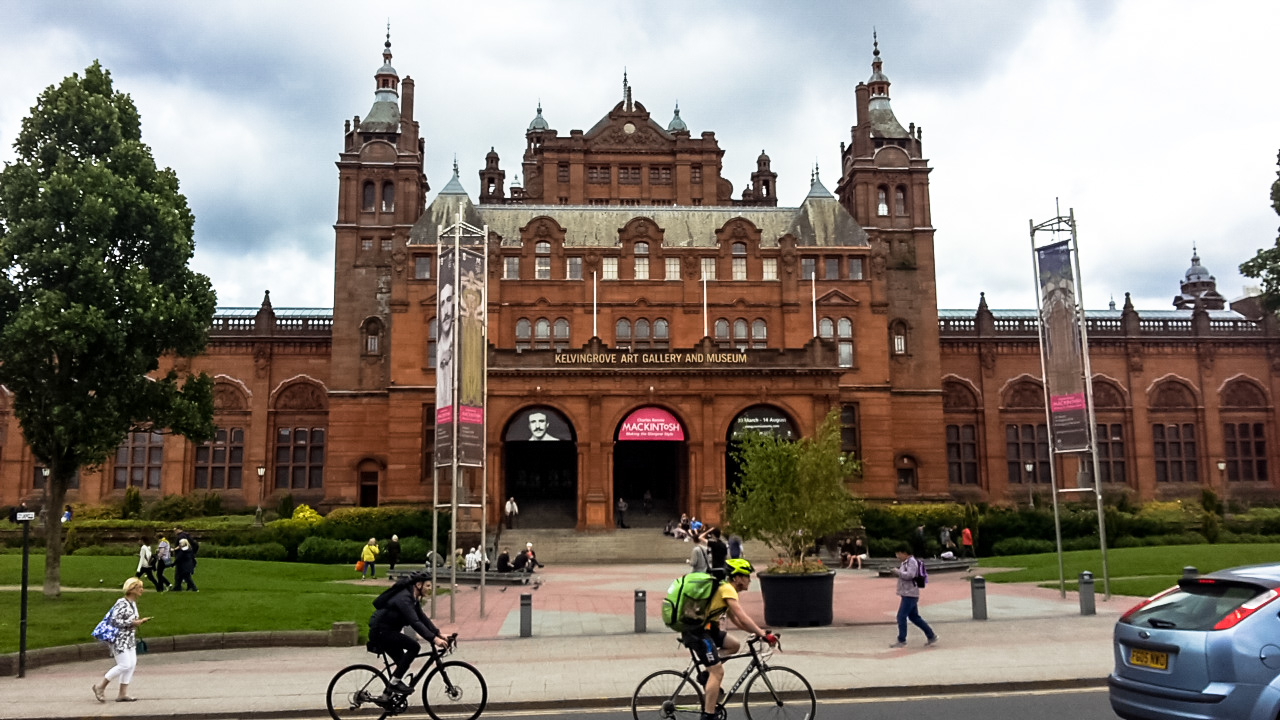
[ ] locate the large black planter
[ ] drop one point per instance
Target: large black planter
(797, 600)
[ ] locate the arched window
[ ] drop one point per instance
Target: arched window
(366, 201)
(826, 328)
(642, 260)
(844, 339)
(372, 332)
(524, 333)
(722, 332)
(388, 196)
(562, 333)
(740, 334)
(623, 334)
(661, 334)
(642, 333)
(882, 201)
(542, 334)
(433, 335)
(759, 334)
(542, 263)
(739, 261)
(900, 200)
(898, 338)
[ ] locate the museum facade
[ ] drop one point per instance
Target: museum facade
(641, 316)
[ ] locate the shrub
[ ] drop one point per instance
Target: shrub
(413, 550)
(274, 552)
(1022, 546)
(882, 546)
(284, 508)
(132, 507)
(289, 533)
(115, 549)
(1081, 543)
(306, 514)
(109, 511)
(330, 551)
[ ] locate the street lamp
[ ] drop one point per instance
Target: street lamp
(1030, 467)
(262, 491)
(1222, 473)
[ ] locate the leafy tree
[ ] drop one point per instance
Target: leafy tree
(1266, 264)
(95, 288)
(793, 492)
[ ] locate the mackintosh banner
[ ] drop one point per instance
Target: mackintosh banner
(1062, 350)
(471, 358)
(446, 354)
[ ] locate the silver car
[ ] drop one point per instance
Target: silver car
(1208, 647)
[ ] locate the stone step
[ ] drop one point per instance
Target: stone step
(621, 546)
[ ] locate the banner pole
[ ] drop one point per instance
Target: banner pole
(1048, 418)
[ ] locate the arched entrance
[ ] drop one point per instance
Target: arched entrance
(369, 472)
(765, 419)
(540, 468)
(650, 461)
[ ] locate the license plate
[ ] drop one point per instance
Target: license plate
(1149, 658)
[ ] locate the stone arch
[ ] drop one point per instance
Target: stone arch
(543, 227)
(1108, 394)
(1171, 393)
(300, 393)
(1243, 391)
(1023, 393)
(959, 395)
(229, 395)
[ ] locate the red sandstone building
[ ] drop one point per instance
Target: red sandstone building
(601, 340)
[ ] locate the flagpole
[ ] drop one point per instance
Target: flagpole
(594, 331)
(704, 305)
(813, 295)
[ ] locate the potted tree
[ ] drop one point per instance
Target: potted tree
(791, 494)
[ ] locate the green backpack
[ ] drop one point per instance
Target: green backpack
(685, 607)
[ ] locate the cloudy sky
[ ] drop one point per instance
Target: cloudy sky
(1158, 121)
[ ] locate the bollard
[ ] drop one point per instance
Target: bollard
(1190, 571)
(526, 615)
(640, 615)
(1086, 594)
(978, 592)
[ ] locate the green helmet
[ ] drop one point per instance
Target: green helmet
(739, 566)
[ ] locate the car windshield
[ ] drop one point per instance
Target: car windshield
(1194, 606)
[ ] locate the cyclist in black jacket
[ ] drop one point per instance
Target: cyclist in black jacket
(402, 609)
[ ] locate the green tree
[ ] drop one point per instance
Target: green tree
(95, 288)
(793, 492)
(1266, 264)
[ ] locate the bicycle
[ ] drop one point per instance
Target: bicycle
(453, 690)
(771, 691)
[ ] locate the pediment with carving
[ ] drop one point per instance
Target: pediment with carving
(1172, 395)
(1243, 394)
(1024, 395)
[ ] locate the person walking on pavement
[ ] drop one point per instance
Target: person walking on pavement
(369, 554)
(164, 558)
(512, 510)
(909, 598)
(966, 544)
(146, 563)
(125, 618)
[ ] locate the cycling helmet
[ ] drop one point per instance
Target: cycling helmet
(419, 577)
(739, 566)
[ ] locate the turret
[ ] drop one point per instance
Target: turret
(491, 179)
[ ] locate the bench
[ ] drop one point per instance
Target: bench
(885, 567)
(473, 578)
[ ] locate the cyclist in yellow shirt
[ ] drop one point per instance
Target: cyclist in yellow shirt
(708, 640)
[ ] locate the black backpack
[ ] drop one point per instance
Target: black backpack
(384, 599)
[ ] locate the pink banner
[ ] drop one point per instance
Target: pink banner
(651, 423)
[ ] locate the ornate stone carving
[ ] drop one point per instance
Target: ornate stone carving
(1243, 394)
(1106, 395)
(261, 361)
(1206, 358)
(957, 396)
(301, 396)
(1135, 360)
(690, 267)
(227, 399)
(1172, 395)
(398, 256)
(987, 357)
(1025, 395)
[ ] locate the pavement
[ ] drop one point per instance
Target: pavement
(584, 650)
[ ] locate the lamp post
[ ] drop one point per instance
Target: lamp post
(262, 491)
(1222, 475)
(1030, 467)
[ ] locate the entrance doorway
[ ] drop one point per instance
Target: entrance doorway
(650, 464)
(765, 419)
(540, 468)
(368, 488)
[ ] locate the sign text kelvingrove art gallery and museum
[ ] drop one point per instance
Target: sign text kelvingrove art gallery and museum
(663, 358)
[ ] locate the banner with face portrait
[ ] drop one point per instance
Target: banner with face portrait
(446, 354)
(472, 357)
(1062, 349)
(539, 424)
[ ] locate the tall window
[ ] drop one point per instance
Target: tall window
(422, 267)
(739, 261)
(826, 328)
(844, 342)
(138, 461)
(770, 269)
(661, 334)
(562, 334)
(855, 268)
(573, 268)
(299, 458)
(673, 268)
(642, 260)
(740, 334)
(830, 268)
(660, 175)
(219, 462)
(850, 437)
(1246, 451)
(542, 260)
(388, 197)
(367, 197)
(882, 201)
(900, 201)
(642, 337)
(898, 338)
(1175, 452)
(807, 267)
(372, 330)
(1111, 452)
(510, 268)
(428, 465)
(610, 269)
(962, 454)
(1024, 444)
(759, 334)
(433, 341)
(542, 334)
(562, 172)
(695, 174)
(709, 268)
(524, 334)
(722, 332)
(622, 334)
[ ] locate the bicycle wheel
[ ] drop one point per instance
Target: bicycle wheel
(456, 691)
(779, 692)
(352, 690)
(667, 695)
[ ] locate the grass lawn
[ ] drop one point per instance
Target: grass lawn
(235, 595)
(1140, 572)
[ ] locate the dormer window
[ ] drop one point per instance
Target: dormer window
(542, 263)
(739, 261)
(642, 261)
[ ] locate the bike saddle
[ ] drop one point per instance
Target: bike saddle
(371, 647)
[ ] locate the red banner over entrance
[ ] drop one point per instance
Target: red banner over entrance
(651, 423)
